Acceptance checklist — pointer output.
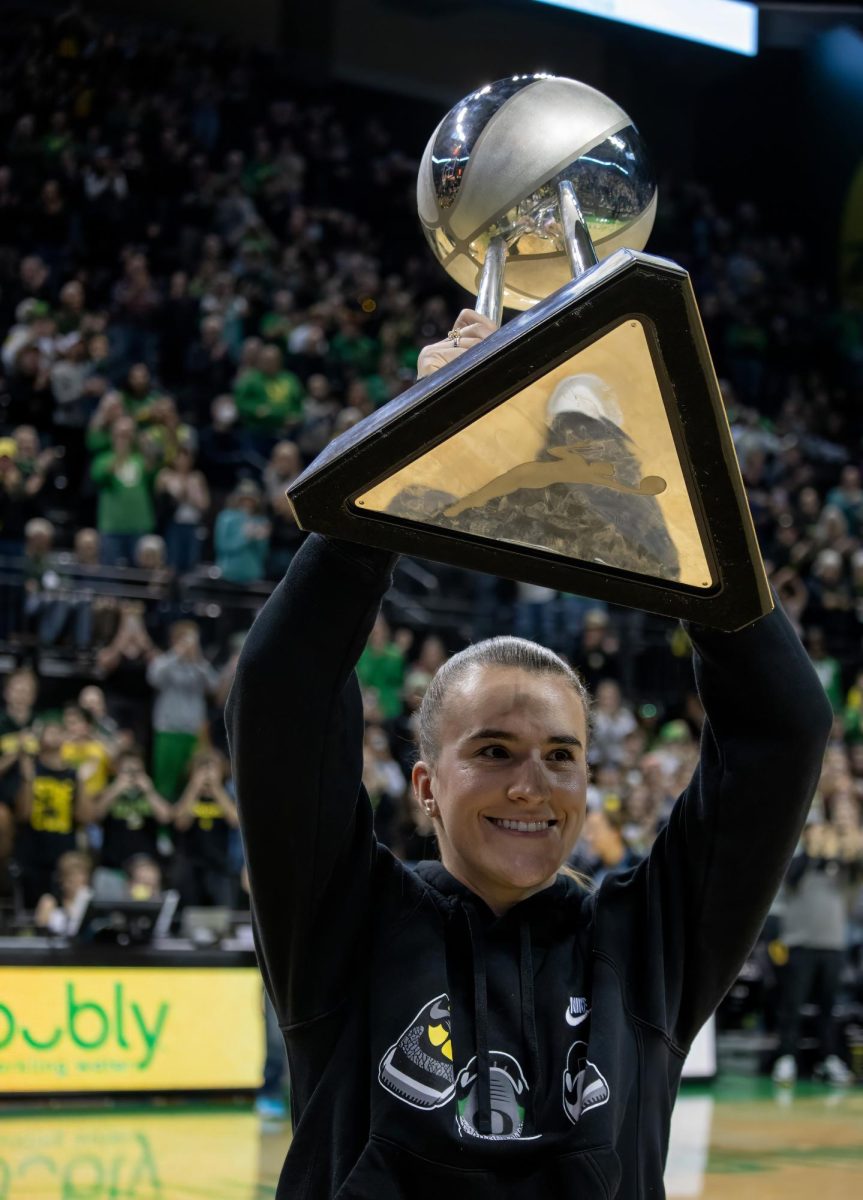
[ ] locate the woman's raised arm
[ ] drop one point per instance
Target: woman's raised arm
(693, 910)
(295, 728)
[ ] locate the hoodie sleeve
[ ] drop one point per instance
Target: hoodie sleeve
(693, 909)
(295, 728)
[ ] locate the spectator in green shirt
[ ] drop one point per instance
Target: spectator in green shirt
(269, 398)
(853, 711)
(124, 481)
(351, 350)
(382, 667)
(827, 668)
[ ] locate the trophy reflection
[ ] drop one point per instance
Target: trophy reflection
(582, 493)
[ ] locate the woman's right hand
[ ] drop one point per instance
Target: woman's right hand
(472, 329)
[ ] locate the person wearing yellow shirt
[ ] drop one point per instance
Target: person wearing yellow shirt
(85, 752)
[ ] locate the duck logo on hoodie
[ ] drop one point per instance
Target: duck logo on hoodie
(584, 1085)
(418, 1067)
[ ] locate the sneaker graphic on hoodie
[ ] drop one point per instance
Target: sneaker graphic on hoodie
(418, 1067)
(507, 1087)
(584, 1085)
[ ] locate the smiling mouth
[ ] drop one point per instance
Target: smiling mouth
(521, 827)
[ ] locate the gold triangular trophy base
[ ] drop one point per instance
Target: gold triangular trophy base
(584, 446)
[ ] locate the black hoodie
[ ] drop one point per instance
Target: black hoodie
(435, 1049)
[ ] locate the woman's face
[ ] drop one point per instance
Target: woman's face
(511, 748)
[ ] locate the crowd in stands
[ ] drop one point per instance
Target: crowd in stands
(206, 274)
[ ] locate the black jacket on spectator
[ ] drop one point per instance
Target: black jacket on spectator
(405, 1002)
(49, 832)
(129, 828)
(204, 378)
(207, 840)
(221, 455)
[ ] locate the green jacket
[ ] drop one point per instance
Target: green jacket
(268, 402)
(384, 670)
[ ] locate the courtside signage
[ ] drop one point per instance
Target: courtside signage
(143, 1029)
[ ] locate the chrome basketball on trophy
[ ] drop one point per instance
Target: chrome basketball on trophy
(584, 445)
(528, 182)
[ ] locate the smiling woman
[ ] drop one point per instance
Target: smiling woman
(503, 766)
(483, 1024)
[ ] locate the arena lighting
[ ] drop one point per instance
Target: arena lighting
(726, 24)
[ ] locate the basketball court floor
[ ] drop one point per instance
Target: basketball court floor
(742, 1138)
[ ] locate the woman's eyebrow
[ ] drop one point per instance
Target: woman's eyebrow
(500, 735)
(505, 735)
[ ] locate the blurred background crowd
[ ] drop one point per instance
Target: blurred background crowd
(201, 283)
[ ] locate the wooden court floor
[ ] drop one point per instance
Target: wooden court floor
(739, 1140)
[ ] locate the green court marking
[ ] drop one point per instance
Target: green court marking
(119, 1108)
(732, 1162)
(734, 1089)
(228, 1189)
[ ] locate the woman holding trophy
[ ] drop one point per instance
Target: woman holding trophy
(485, 1026)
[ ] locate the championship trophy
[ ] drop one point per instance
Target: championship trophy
(584, 445)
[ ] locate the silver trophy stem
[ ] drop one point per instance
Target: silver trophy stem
(489, 296)
(579, 244)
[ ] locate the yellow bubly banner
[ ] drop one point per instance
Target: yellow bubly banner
(83, 1029)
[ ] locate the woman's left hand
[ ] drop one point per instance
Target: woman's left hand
(471, 328)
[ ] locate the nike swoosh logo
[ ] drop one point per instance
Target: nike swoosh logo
(571, 1020)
